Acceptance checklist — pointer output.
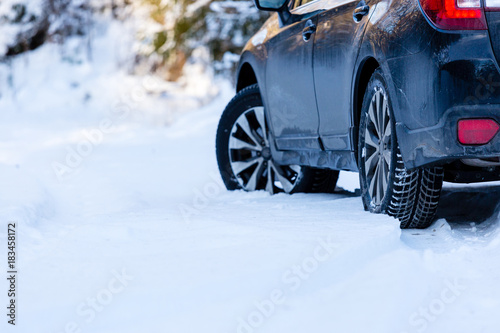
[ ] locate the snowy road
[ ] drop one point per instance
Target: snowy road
(136, 234)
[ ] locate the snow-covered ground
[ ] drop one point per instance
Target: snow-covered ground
(123, 224)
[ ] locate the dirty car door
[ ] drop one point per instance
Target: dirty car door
(290, 83)
(336, 48)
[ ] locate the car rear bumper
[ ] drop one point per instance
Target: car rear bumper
(439, 144)
(455, 76)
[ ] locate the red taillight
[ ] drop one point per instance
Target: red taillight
(477, 131)
(455, 14)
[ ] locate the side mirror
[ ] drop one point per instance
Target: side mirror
(280, 6)
(271, 5)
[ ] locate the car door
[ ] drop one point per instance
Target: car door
(336, 46)
(291, 99)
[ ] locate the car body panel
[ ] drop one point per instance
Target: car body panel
(336, 49)
(493, 21)
(433, 78)
(289, 77)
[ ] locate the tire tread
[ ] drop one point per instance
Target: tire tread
(402, 203)
(430, 184)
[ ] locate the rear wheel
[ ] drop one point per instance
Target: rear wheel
(244, 152)
(411, 196)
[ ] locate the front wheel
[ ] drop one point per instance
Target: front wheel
(244, 154)
(411, 196)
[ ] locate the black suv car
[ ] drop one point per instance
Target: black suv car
(405, 92)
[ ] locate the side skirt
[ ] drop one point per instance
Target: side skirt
(335, 160)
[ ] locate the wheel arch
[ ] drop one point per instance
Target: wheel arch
(246, 77)
(367, 67)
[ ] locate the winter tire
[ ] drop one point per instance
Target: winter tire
(411, 196)
(243, 148)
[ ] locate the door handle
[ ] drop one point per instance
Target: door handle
(308, 31)
(360, 11)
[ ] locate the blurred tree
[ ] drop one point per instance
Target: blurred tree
(30, 23)
(181, 26)
(24, 25)
(168, 30)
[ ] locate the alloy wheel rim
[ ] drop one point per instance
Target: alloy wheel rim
(251, 159)
(377, 151)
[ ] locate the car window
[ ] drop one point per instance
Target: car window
(303, 2)
(299, 3)
(294, 4)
